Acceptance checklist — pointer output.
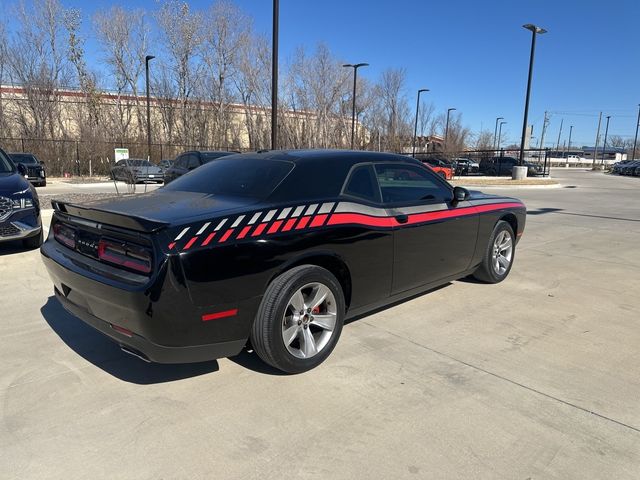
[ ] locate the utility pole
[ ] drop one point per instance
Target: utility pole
(274, 76)
(147, 59)
(595, 149)
(544, 130)
(559, 134)
(604, 145)
(569, 144)
(635, 139)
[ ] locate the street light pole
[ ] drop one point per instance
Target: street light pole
(446, 129)
(635, 139)
(146, 66)
(415, 127)
(534, 31)
(569, 143)
(353, 103)
(499, 136)
(274, 76)
(495, 131)
(604, 146)
(595, 149)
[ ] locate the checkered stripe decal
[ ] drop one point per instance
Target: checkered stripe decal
(309, 217)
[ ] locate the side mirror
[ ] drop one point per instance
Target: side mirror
(22, 170)
(460, 194)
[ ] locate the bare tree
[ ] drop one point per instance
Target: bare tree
(181, 30)
(394, 109)
(123, 36)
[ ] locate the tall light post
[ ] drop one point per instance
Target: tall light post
(415, 127)
(604, 145)
(569, 143)
(274, 76)
(635, 139)
(595, 149)
(534, 31)
(495, 131)
(499, 135)
(355, 67)
(147, 59)
(446, 129)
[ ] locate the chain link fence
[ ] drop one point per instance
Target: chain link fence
(91, 158)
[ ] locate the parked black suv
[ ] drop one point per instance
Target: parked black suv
(187, 161)
(35, 169)
(19, 205)
(502, 166)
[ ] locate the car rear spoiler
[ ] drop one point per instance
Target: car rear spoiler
(139, 224)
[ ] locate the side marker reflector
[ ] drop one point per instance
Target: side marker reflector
(218, 315)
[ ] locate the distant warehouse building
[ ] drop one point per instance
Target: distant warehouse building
(614, 154)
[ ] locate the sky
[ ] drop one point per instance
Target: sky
(473, 55)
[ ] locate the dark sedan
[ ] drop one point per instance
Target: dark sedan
(36, 172)
(133, 170)
(277, 248)
(19, 205)
(188, 161)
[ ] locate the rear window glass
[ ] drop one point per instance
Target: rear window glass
(237, 177)
(208, 156)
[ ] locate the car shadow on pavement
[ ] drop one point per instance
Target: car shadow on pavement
(105, 354)
(251, 361)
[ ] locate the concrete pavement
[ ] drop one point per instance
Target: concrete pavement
(536, 377)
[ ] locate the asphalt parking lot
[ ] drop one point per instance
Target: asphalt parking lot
(536, 377)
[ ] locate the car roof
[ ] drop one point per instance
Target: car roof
(347, 156)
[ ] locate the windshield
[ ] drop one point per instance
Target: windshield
(139, 163)
(5, 164)
(235, 177)
(24, 158)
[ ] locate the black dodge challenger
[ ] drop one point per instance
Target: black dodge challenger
(275, 249)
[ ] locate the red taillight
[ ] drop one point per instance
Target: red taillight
(65, 235)
(125, 255)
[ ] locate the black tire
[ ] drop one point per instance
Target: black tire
(486, 272)
(266, 334)
(33, 242)
(492, 172)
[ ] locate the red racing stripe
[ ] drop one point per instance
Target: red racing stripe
(190, 242)
(226, 235)
(361, 219)
(302, 223)
(318, 220)
(208, 239)
(274, 227)
(259, 229)
(289, 225)
(244, 232)
(171, 245)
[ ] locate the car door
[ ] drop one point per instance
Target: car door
(434, 237)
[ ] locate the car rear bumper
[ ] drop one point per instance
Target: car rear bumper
(147, 350)
(155, 320)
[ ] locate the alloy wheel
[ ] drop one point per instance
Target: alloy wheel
(502, 252)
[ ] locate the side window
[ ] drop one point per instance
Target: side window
(181, 161)
(362, 184)
(193, 162)
(409, 184)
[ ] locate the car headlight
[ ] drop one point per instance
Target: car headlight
(22, 203)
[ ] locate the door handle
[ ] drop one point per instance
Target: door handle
(402, 218)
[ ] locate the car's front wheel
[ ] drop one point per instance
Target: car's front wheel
(300, 319)
(498, 256)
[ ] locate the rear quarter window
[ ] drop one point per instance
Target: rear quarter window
(235, 177)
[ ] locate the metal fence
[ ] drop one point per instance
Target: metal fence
(536, 156)
(84, 157)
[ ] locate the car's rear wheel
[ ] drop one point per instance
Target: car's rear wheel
(300, 319)
(498, 256)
